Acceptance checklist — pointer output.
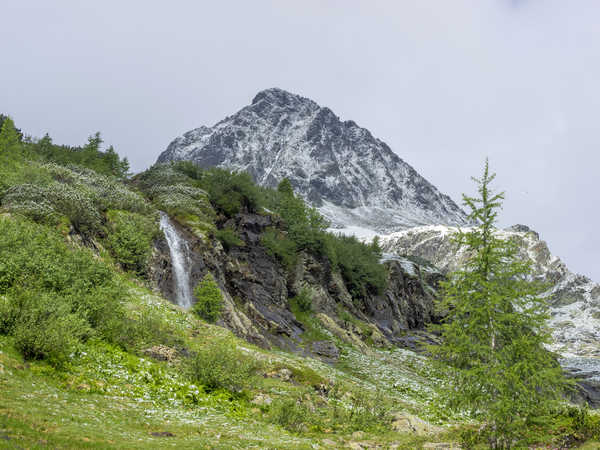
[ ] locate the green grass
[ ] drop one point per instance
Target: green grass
(107, 393)
(108, 398)
(313, 330)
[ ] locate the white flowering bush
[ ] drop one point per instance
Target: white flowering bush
(46, 204)
(79, 194)
(160, 175)
(175, 193)
(106, 192)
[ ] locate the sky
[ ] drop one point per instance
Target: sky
(444, 83)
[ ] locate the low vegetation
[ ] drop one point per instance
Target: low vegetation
(209, 299)
(91, 357)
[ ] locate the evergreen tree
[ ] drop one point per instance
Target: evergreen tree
(114, 165)
(89, 154)
(123, 168)
(494, 332)
(10, 139)
(285, 187)
(111, 160)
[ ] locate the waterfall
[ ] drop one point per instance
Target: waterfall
(179, 251)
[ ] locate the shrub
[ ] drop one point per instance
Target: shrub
(148, 328)
(130, 239)
(303, 300)
(281, 247)
(179, 195)
(46, 204)
(105, 192)
(290, 413)
(230, 192)
(219, 365)
(209, 299)
(366, 412)
(229, 238)
(46, 328)
(50, 286)
(359, 265)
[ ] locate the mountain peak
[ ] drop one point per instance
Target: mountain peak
(352, 177)
(274, 95)
(281, 98)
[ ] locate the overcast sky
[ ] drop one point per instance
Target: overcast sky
(444, 83)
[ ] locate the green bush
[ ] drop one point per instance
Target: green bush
(280, 246)
(219, 365)
(209, 299)
(105, 192)
(303, 300)
(49, 286)
(359, 265)
(46, 204)
(46, 328)
(290, 413)
(229, 238)
(130, 239)
(147, 328)
(178, 195)
(367, 412)
(230, 192)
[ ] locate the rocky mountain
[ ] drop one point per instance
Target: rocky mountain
(574, 299)
(256, 289)
(354, 179)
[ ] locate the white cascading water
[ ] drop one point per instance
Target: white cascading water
(178, 249)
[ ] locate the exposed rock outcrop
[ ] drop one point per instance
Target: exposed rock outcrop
(574, 299)
(257, 289)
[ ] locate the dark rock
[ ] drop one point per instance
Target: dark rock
(256, 288)
(586, 373)
(162, 434)
(326, 349)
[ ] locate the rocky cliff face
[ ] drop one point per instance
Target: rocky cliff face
(257, 290)
(352, 177)
(574, 299)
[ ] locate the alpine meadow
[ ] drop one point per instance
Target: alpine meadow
(276, 242)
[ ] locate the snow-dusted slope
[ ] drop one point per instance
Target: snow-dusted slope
(574, 299)
(339, 167)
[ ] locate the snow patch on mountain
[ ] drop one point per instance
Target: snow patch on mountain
(574, 299)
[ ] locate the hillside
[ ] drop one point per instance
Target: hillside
(298, 338)
(85, 325)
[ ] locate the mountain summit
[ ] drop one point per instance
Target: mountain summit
(354, 179)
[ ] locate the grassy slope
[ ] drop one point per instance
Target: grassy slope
(109, 398)
(112, 399)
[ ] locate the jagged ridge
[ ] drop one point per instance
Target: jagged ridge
(339, 167)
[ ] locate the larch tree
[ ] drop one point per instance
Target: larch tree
(494, 333)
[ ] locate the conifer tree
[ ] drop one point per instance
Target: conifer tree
(494, 331)
(10, 138)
